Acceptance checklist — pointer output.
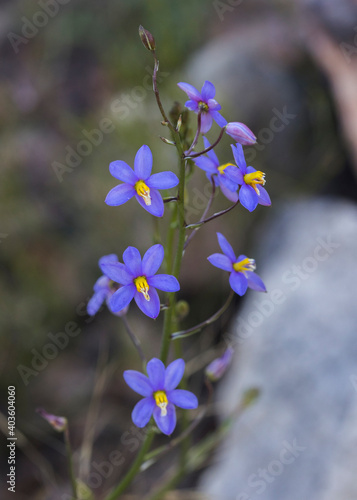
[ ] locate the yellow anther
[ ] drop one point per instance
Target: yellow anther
(203, 106)
(161, 401)
(244, 265)
(144, 191)
(255, 178)
(142, 286)
(222, 168)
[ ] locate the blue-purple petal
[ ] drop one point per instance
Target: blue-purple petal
(264, 198)
(183, 399)
(238, 282)
(191, 91)
(226, 181)
(163, 180)
(221, 261)
(152, 260)
(192, 105)
(239, 157)
(108, 258)
(211, 154)
(119, 195)
(255, 282)
(157, 205)
(206, 164)
(208, 91)
(117, 272)
(167, 423)
(142, 412)
(156, 371)
(248, 197)
(230, 195)
(101, 284)
(143, 163)
(218, 118)
(122, 297)
(226, 247)
(164, 282)
(213, 105)
(174, 374)
(234, 173)
(149, 307)
(206, 122)
(132, 260)
(138, 382)
(121, 170)
(95, 303)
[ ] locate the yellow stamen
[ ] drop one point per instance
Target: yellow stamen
(144, 191)
(142, 286)
(255, 178)
(203, 106)
(222, 168)
(161, 401)
(244, 265)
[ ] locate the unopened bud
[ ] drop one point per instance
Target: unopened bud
(167, 141)
(182, 309)
(58, 423)
(179, 123)
(147, 38)
(241, 133)
(250, 396)
(218, 367)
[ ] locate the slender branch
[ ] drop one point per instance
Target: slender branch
(209, 204)
(133, 338)
(171, 198)
(198, 131)
(197, 328)
(188, 157)
(157, 94)
(214, 216)
(70, 462)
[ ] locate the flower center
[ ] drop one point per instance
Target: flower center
(161, 401)
(142, 286)
(203, 106)
(222, 168)
(244, 265)
(255, 178)
(144, 191)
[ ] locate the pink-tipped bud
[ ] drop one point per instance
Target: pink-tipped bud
(241, 133)
(218, 367)
(58, 423)
(147, 38)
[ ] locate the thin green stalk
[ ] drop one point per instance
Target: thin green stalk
(114, 494)
(70, 462)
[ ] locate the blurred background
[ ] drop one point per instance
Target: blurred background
(74, 96)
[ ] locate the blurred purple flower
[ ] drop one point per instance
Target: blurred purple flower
(58, 423)
(241, 133)
(140, 183)
(222, 173)
(242, 269)
(104, 288)
(160, 394)
(216, 369)
(204, 102)
(138, 280)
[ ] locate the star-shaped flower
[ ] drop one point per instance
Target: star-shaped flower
(104, 288)
(222, 173)
(140, 183)
(242, 269)
(139, 280)
(250, 195)
(160, 394)
(204, 102)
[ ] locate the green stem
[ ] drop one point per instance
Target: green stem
(70, 463)
(114, 494)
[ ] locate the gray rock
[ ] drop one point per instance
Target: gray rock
(298, 344)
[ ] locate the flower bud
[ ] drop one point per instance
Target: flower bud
(182, 309)
(218, 367)
(147, 38)
(58, 423)
(241, 133)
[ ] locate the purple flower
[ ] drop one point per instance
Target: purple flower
(249, 193)
(204, 102)
(140, 183)
(104, 288)
(216, 369)
(138, 280)
(241, 133)
(58, 423)
(160, 394)
(241, 269)
(223, 173)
